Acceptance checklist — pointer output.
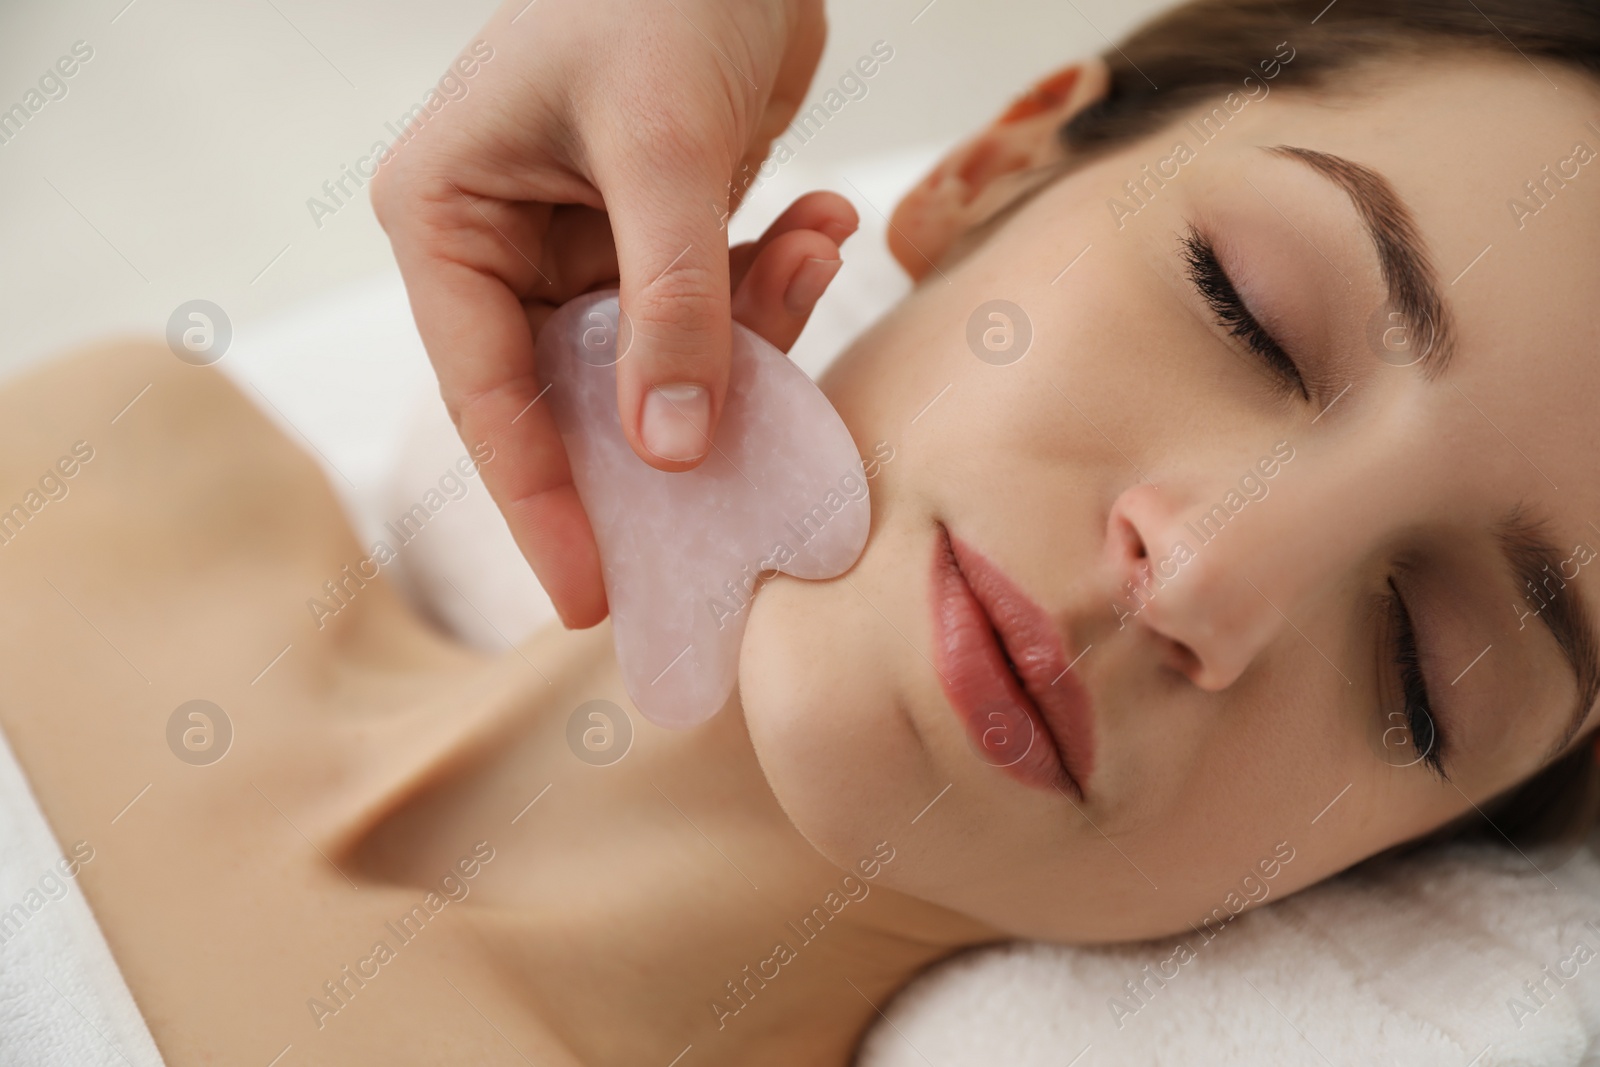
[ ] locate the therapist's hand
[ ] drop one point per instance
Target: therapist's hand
(603, 139)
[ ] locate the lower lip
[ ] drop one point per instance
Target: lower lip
(1046, 742)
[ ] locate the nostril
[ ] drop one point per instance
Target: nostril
(1136, 543)
(1181, 658)
(1126, 542)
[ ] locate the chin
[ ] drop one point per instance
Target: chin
(819, 687)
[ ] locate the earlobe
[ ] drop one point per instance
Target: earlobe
(980, 175)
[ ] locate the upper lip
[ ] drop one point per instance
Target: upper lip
(1038, 658)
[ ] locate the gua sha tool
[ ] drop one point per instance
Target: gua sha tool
(781, 490)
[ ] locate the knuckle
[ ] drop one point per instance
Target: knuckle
(388, 191)
(383, 206)
(453, 405)
(684, 300)
(406, 190)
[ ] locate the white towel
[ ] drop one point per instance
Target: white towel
(63, 1002)
(1426, 963)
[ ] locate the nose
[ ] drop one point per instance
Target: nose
(1192, 574)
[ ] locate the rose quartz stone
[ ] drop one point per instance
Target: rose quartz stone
(683, 553)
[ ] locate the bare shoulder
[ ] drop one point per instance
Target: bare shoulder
(123, 436)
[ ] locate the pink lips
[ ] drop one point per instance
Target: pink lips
(1004, 669)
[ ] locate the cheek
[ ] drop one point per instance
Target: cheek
(819, 681)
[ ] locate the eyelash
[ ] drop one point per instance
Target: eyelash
(1219, 293)
(1426, 737)
(1217, 290)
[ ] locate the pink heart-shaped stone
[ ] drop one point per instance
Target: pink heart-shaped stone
(782, 490)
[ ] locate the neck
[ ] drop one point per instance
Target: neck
(667, 900)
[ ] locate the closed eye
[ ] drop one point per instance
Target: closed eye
(1427, 738)
(1219, 293)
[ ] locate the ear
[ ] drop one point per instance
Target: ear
(980, 176)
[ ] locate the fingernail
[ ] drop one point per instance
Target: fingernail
(837, 232)
(806, 288)
(675, 421)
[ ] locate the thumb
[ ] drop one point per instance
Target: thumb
(672, 256)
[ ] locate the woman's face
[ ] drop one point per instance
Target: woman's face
(1269, 496)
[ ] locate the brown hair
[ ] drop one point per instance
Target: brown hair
(1207, 48)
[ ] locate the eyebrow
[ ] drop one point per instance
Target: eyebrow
(1524, 540)
(1402, 254)
(1533, 557)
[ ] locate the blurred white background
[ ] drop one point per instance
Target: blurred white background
(179, 163)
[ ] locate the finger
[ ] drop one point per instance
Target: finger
(828, 213)
(580, 255)
(530, 477)
(579, 251)
(784, 284)
(673, 258)
(479, 342)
